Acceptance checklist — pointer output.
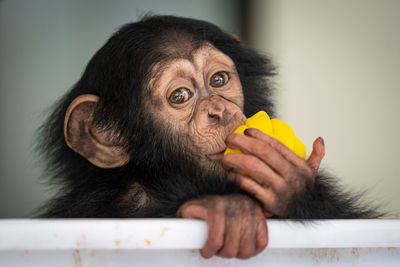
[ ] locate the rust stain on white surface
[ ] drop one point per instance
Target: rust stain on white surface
(165, 229)
(77, 258)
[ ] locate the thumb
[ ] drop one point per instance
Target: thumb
(192, 211)
(317, 154)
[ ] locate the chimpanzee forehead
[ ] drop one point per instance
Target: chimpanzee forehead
(199, 57)
(205, 51)
(177, 44)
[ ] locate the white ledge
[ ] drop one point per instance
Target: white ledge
(111, 234)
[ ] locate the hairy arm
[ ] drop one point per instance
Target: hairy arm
(328, 200)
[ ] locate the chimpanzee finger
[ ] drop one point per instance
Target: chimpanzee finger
(317, 154)
(216, 226)
(191, 210)
(267, 214)
(261, 149)
(262, 234)
(216, 230)
(276, 144)
(232, 238)
(247, 246)
(265, 195)
(255, 168)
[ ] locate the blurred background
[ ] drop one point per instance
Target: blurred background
(338, 63)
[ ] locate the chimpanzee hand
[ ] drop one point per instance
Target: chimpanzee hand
(276, 176)
(236, 225)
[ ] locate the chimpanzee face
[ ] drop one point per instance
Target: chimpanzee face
(199, 98)
(196, 96)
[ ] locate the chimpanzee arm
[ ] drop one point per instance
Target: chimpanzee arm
(328, 200)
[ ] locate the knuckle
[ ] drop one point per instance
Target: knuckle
(272, 204)
(219, 208)
(279, 146)
(273, 142)
(250, 161)
(262, 149)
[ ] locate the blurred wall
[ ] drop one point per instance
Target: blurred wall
(44, 47)
(339, 67)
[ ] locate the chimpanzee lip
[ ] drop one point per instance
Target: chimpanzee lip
(217, 156)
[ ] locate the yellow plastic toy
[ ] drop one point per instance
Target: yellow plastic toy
(275, 128)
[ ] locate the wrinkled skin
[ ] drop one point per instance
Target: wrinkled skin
(211, 113)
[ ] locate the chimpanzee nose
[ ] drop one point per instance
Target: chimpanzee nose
(216, 108)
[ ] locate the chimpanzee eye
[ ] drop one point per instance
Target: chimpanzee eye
(180, 95)
(219, 79)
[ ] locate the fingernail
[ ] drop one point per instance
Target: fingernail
(246, 132)
(322, 139)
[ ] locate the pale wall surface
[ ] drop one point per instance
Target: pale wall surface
(44, 47)
(339, 70)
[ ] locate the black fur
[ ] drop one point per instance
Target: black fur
(329, 200)
(118, 73)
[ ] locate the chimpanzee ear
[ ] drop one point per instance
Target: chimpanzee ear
(100, 147)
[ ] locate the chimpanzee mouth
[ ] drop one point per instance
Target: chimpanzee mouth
(237, 119)
(217, 156)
